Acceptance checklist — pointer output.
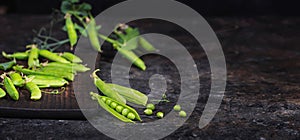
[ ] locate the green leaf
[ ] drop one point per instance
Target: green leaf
(128, 38)
(65, 6)
(7, 65)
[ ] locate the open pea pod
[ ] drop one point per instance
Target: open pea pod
(107, 104)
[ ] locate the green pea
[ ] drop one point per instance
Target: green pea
(148, 111)
(130, 116)
(108, 101)
(177, 107)
(182, 113)
(119, 108)
(103, 99)
(125, 111)
(113, 105)
(160, 115)
(150, 106)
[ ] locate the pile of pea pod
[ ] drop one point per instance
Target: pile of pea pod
(61, 68)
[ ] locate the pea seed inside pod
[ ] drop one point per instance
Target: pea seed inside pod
(125, 112)
(103, 99)
(130, 116)
(119, 108)
(113, 105)
(108, 102)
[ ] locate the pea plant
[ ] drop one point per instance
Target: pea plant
(78, 20)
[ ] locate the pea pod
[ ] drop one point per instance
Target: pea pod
(74, 66)
(71, 30)
(33, 60)
(60, 69)
(131, 95)
(71, 57)
(107, 90)
(7, 65)
(2, 93)
(47, 81)
(17, 79)
(64, 74)
(35, 91)
(146, 45)
(130, 114)
(16, 55)
(93, 35)
(132, 57)
(67, 76)
(52, 56)
(10, 88)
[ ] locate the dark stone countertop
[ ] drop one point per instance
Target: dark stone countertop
(262, 98)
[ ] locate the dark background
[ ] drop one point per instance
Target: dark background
(204, 7)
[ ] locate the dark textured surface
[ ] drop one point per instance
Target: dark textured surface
(262, 98)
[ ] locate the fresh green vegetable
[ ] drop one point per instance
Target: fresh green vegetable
(7, 65)
(127, 114)
(58, 69)
(17, 79)
(107, 90)
(16, 55)
(150, 106)
(67, 76)
(71, 30)
(146, 45)
(93, 35)
(52, 56)
(182, 113)
(2, 93)
(160, 115)
(132, 57)
(177, 107)
(74, 66)
(33, 58)
(10, 88)
(64, 74)
(44, 81)
(148, 111)
(35, 91)
(71, 57)
(131, 95)
(119, 108)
